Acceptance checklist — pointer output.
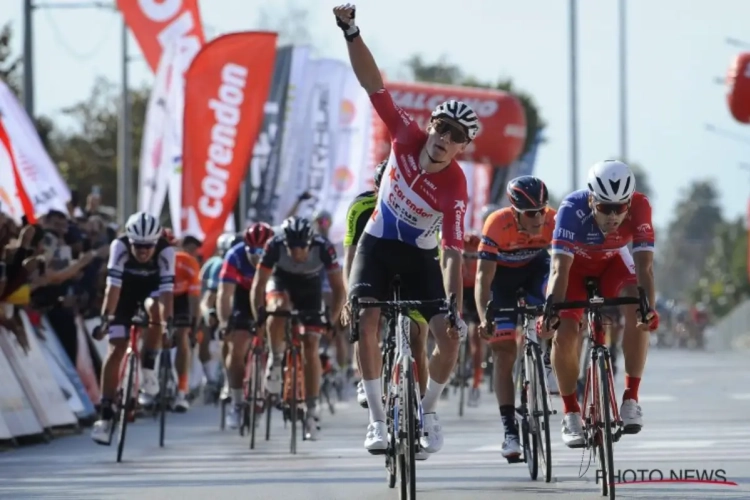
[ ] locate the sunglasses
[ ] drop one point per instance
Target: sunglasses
(533, 212)
(298, 244)
(254, 252)
(456, 134)
(143, 246)
(612, 208)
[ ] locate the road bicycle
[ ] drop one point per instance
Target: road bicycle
(293, 385)
(256, 403)
(530, 381)
(167, 383)
(403, 402)
(602, 425)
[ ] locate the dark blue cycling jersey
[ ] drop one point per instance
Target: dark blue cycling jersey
(237, 268)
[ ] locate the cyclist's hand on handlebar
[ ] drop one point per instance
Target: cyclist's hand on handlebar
(458, 331)
(652, 321)
(484, 330)
(551, 320)
(101, 330)
(346, 314)
(541, 331)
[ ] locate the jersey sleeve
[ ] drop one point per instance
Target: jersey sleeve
(356, 219)
(644, 237)
(230, 269)
(118, 254)
(329, 257)
(398, 122)
(166, 261)
(454, 214)
(271, 254)
(566, 225)
(194, 284)
(489, 245)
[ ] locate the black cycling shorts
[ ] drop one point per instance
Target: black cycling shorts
(182, 305)
(127, 306)
(470, 306)
(242, 314)
(304, 292)
(532, 277)
(378, 261)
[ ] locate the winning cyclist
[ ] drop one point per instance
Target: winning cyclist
(141, 265)
(288, 277)
(233, 299)
(513, 255)
(187, 289)
(592, 230)
(209, 288)
(357, 215)
(423, 188)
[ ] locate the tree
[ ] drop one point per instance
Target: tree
(444, 72)
(690, 239)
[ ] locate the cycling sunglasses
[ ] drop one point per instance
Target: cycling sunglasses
(612, 208)
(457, 135)
(298, 244)
(143, 246)
(533, 212)
(254, 252)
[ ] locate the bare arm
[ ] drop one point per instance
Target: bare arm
(363, 64)
(644, 271)
(483, 286)
(558, 278)
(451, 262)
(258, 291)
(224, 301)
(335, 278)
(349, 253)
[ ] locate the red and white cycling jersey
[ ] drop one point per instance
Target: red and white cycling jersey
(412, 204)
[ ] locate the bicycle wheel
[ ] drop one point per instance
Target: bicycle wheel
(252, 400)
(606, 445)
(127, 404)
(390, 416)
(408, 435)
(164, 368)
(461, 377)
(528, 409)
(541, 414)
(293, 402)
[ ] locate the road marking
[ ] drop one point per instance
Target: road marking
(656, 398)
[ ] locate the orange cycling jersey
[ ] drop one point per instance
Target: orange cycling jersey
(187, 274)
(504, 242)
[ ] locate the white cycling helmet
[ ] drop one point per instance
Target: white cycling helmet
(143, 228)
(460, 112)
(224, 242)
(611, 181)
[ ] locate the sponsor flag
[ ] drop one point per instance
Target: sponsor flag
(156, 23)
(226, 88)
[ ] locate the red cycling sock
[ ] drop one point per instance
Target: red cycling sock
(570, 403)
(631, 388)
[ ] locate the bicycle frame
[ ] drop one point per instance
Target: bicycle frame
(401, 360)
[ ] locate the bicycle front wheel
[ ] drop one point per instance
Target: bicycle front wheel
(541, 414)
(293, 402)
(164, 369)
(461, 376)
(408, 434)
(252, 398)
(606, 445)
(126, 404)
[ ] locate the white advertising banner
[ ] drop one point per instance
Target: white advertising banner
(15, 408)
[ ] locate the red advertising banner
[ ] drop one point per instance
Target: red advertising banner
(155, 23)
(501, 114)
(26, 204)
(738, 88)
(226, 88)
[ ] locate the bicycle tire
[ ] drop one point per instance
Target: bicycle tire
(126, 405)
(543, 413)
(269, 407)
(461, 377)
(607, 442)
(390, 405)
(408, 436)
(164, 368)
(528, 405)
(252, 400)
(293, 403)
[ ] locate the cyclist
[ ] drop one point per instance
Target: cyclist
(592, 230)
(187, 289)
(423, 188)
(233, 299)
(513, 254)
(476, 348)
(141, 265)
(288, 277)
(357, 215)
(210, 286)
(322, 221)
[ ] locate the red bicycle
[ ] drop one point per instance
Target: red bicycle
(255, 400)
(602, 425)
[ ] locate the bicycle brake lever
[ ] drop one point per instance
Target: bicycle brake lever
(452, 310)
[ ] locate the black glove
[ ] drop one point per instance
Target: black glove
(351, 31)
(550, 318)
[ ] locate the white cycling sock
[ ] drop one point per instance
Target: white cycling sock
(432, 395)
(374, 393)
(238, 396)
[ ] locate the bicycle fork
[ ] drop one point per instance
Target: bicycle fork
(593, 422)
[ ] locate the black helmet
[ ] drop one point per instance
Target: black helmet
(527, 193)
(379, 171)
(297, 231)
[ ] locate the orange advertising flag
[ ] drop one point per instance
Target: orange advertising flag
(226, 88)
(155, 23)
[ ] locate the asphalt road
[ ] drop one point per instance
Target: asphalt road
(696, 416)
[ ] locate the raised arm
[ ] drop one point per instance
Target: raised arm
(363, 64)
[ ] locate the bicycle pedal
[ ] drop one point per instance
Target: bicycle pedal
(515, 460)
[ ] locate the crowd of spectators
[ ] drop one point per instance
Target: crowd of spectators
(56, 267)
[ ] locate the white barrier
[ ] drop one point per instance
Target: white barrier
(15, 408)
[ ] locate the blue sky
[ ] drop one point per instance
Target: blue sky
(676, 50)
